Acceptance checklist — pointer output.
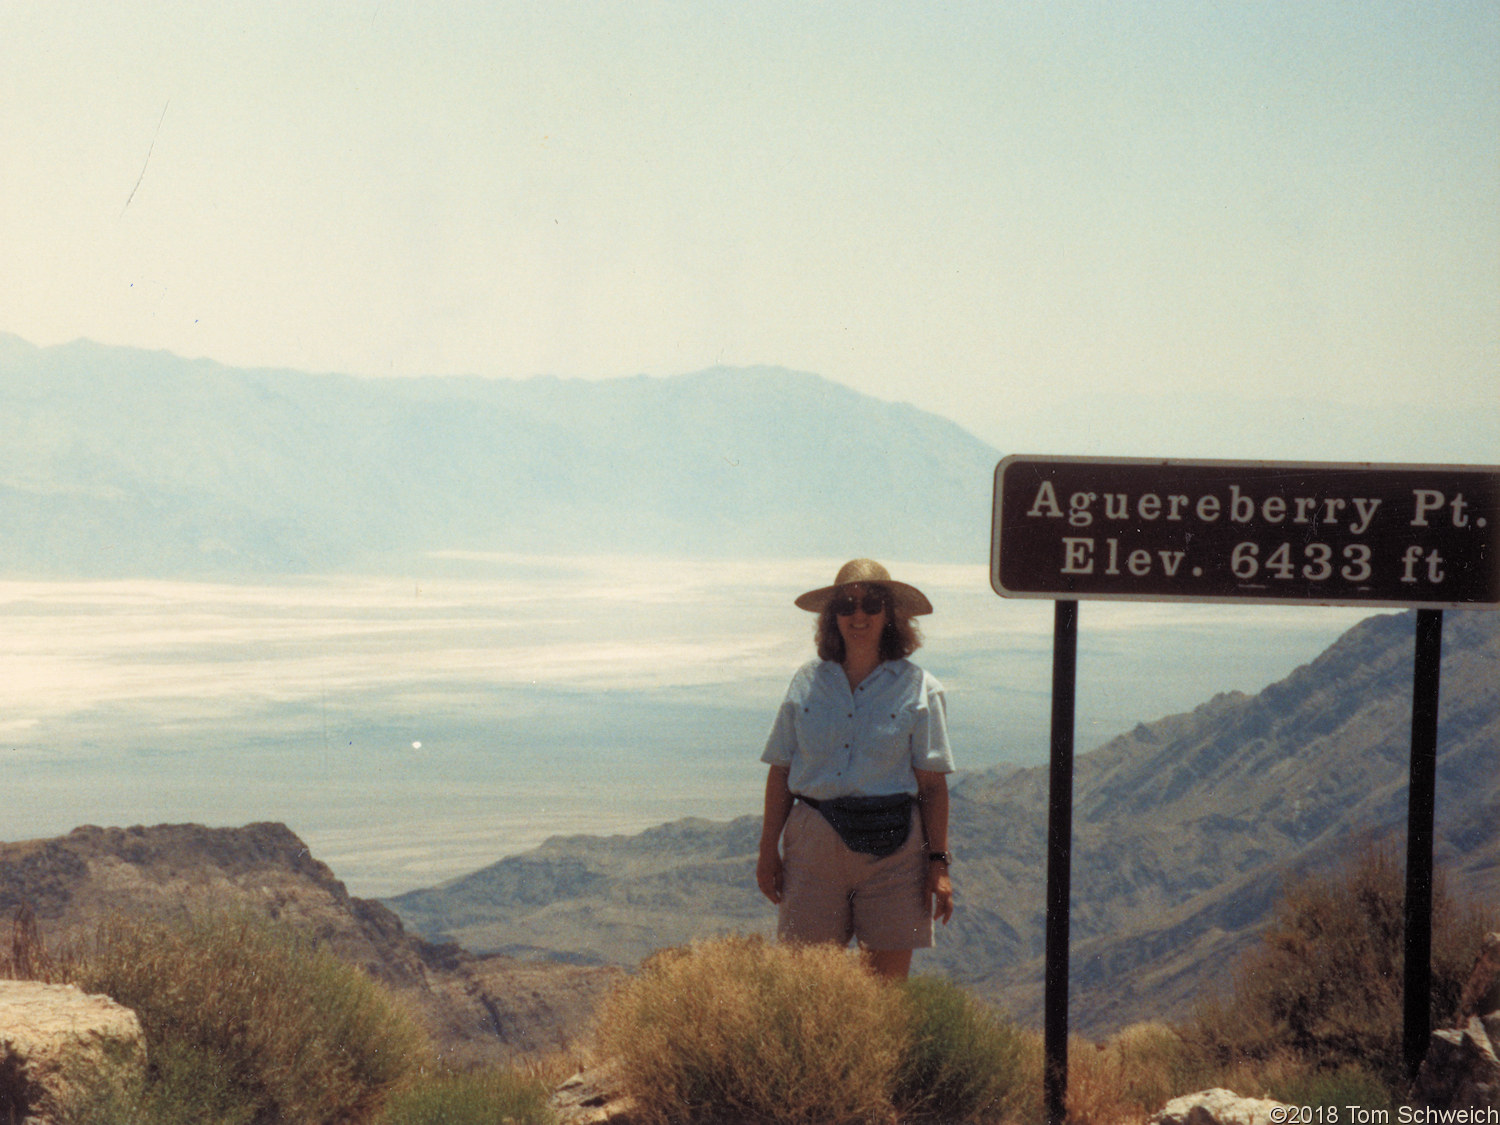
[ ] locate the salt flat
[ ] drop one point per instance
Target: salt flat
(413, 728)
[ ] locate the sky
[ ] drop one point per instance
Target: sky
(1246, 230)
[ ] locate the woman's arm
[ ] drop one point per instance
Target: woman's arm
(779, 802)
(932, 801)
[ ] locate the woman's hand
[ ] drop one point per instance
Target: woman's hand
(940, 891)
(779, 799)
(932, 801)
(768, 871)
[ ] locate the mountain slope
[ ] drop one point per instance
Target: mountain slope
(1183, 837)
(1184, 830)
(119, 461)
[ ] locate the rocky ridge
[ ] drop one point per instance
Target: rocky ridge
(476, 1007)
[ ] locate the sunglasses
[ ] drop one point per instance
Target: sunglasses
(844, 605)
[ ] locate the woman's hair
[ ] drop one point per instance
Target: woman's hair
(900, 637)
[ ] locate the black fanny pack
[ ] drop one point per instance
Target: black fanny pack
(876, 826)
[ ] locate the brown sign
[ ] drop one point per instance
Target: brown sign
(1423, 536)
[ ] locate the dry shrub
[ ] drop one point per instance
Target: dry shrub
(1324, 985)
(962, 1062)
(740, 1029)
(246, 1021)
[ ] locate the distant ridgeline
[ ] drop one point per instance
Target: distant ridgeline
(125, 462)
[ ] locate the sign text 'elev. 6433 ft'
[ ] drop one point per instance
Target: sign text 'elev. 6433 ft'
(1333, 534)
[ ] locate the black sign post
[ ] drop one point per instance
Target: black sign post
(1416, 988)
(1407, 536)
(1059, 854)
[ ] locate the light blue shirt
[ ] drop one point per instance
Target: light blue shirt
(860, 743)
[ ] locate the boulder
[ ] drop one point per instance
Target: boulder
(1218, 1107)
(59, 1045)
(1460, 1070)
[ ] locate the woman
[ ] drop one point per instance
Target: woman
(855, 838)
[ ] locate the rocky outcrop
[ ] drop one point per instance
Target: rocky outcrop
(478, 1009)
(59, 1046)
(172, 870)
(486, 1009)
(1461, 1070)
(592, 1097)
(1218, 1107)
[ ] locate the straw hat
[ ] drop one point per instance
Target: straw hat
(909, 599)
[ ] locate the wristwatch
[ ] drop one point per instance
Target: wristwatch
(940, 857)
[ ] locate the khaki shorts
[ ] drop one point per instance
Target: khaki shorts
(830, 893)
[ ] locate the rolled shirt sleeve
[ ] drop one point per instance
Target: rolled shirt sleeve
(782, 741)
(929, 735)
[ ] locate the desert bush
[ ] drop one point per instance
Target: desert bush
(744, 1030)
(475, 1098)
(961, 1062)
(249, 1022)
(1325, 982)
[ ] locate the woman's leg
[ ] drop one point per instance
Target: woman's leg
(891, 913)
(889, 964)
(814, 886)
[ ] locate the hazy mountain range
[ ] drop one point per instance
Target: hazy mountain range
(126, 462)
(1184, 832)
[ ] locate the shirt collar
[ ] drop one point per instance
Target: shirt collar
(883, 669)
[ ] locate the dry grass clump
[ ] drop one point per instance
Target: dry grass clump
(740, 1029)
(480, 1097)
(27, 958)
(1130, 1075)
